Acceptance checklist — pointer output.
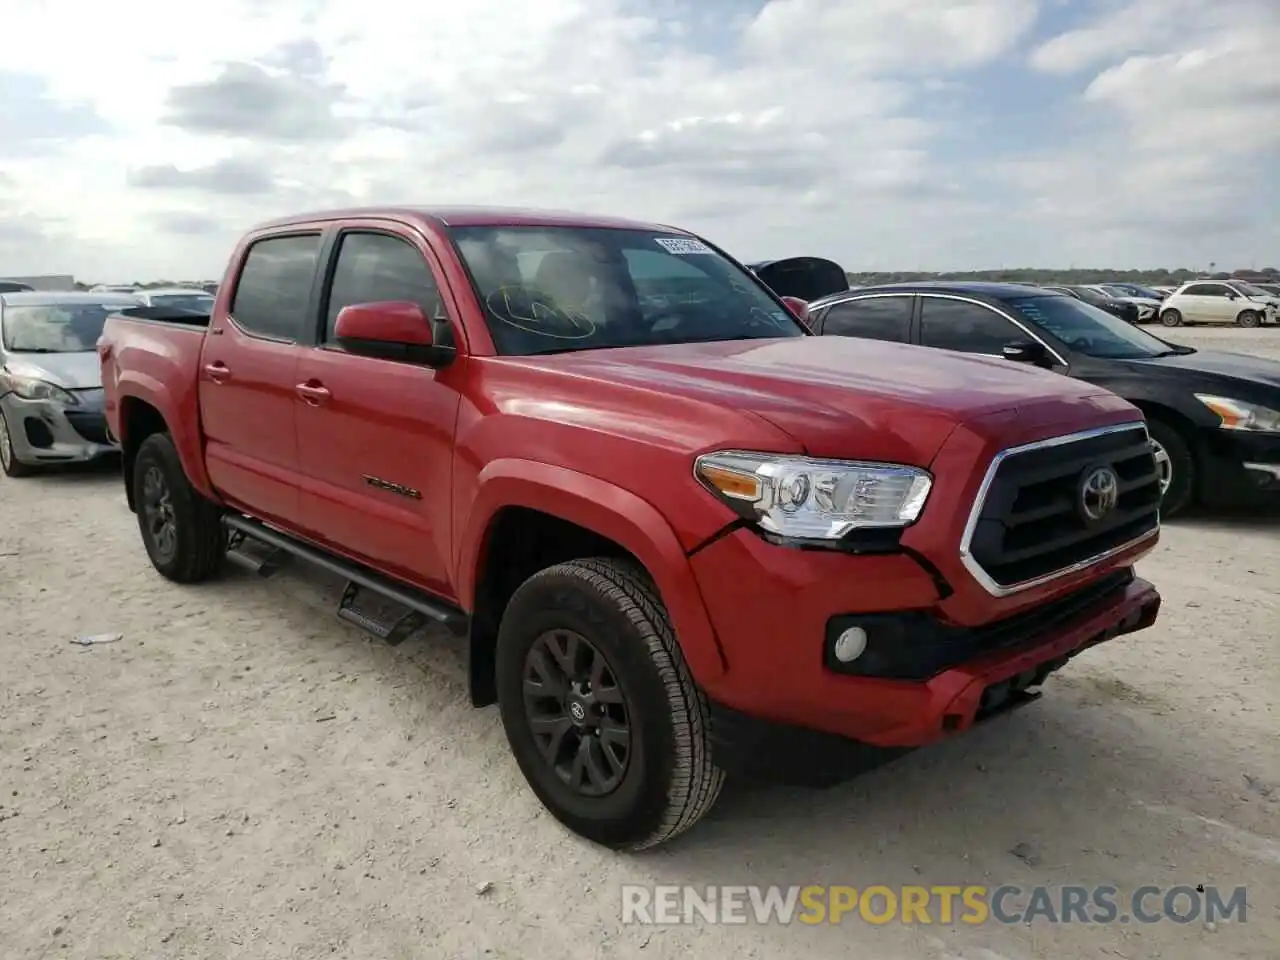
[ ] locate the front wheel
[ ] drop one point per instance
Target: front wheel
(1249, 318)
(9, 461)
(1176, 465)
(1171, 318)
(599, 707)
(182, 531)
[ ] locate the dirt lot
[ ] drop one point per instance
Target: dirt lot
(244, 776)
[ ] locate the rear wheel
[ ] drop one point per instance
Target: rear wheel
(1171, 317)
(182, 531)
(1249, 318)
(8, 459)
(599, 707)
(1177, 467)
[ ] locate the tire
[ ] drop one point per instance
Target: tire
(1249, 318)
(668, 781)
(1171, 318)
(8, 460)
(1182, 464)
(196, 541)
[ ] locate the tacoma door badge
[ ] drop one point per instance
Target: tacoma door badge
(397, 488)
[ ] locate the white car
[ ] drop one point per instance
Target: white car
(1219, 301)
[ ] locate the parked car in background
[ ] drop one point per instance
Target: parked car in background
(112, 288)
(13, 286)
(607, 455)
(1148, 306)
(1214, 416)
(1268, 286)
(1219, 301)
(1126, 311)
(179, 298)
(1122, 289)
(50, 380)
(1164, 291)
(804, 278)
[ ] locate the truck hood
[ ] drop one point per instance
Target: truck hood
(72, 371)
(836, 395)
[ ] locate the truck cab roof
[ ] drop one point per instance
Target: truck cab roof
(469, 216)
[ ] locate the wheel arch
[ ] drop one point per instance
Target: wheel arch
(528, 516)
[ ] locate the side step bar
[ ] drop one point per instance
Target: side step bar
(419, 610)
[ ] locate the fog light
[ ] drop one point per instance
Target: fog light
(849, 646)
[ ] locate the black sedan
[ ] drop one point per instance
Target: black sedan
(1126, 311)
(1214, 417)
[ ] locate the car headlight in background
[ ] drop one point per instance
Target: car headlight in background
(1237, 415)
(804, 499)
(30, 388)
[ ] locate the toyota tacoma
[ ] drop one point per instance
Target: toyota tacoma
(681, 536)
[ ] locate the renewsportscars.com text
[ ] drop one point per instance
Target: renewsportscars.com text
(819, 904)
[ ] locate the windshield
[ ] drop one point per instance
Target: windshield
(1131, 290)
(1086, 329)
(56, 327)
(555, 289)
(1091, 295)
(195, 302)
(1249, 290)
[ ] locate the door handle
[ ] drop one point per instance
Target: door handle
(218, 372)
(313, 393)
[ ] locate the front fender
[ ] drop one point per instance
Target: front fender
(610, 511)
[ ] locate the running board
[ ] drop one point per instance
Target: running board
(420, 610)
(263, 563)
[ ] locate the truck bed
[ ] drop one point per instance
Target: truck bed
(152, 354)
(186, 318)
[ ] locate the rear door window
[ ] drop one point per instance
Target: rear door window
(1205, 290)
(273, 293)
(965, 326)
(873, 318)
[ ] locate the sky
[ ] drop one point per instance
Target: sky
(138, 140)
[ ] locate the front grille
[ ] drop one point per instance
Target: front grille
(91, 426)
(1031, 522)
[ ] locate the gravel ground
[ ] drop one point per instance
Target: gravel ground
(244, 776)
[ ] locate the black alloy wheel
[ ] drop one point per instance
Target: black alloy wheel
(577, 712)
(156, 504)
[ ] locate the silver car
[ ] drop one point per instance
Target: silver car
(50, 381)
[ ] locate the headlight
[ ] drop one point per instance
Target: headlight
(1237, 415)
(799, 498)
(29, 388)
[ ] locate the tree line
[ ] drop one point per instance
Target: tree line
(1070, 277)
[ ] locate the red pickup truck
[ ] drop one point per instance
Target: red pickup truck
(682, 536)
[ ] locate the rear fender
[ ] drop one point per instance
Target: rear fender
(612, 512)
(133, 387)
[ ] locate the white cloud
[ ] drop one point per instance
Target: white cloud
(1183, 102)
(804, 128)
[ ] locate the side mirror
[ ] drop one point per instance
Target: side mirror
(1232, 295)
(1027, 351)
(799, 309)
(390, 330)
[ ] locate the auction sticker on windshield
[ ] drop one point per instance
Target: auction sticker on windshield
(682, 246)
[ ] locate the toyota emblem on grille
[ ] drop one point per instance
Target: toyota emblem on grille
(1099, 493)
